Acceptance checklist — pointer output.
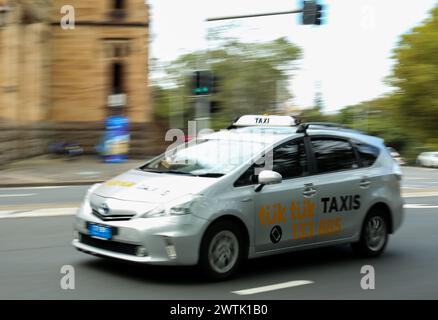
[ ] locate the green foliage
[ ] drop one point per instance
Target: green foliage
(313, 115)
(251, 76)
(415, 76)
(407, 118)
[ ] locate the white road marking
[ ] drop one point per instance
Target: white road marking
(36, 188)
(53, 212)
(88, 173)
(17, 195)
(273, 287)
(420, 194)
(420, 206)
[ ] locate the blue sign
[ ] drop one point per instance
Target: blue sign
(116, 143)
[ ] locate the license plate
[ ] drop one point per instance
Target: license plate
(100, 231)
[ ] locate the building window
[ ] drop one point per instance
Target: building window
(117, 78)
(118, 10)
(119, 4)
(117, 48)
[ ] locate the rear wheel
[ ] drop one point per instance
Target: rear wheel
(222, 250)
(374, 236)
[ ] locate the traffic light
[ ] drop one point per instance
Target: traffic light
(202, 83)
(312, 13)
(318, 16)
(215, 106)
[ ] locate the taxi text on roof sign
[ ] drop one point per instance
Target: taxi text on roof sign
(263, 120)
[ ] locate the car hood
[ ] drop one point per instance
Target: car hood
(139, 186)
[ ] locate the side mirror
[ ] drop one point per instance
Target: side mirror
(267, 177)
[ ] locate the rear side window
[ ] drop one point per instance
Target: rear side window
(368, 154)
(333, 154)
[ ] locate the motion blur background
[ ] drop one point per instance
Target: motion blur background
(133, 59)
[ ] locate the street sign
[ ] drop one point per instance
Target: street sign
(117, 100)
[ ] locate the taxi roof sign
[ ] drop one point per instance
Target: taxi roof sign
(266, 120)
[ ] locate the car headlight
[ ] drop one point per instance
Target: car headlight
(178, 207)
(90, 191)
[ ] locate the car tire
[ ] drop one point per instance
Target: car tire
(222, 250)
(374, 235)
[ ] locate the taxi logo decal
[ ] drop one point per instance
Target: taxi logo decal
(303, 221)
(276, 234)
(262, 120)
(272, 214)
(340, 204)
(118, 183)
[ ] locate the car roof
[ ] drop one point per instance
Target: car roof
(272, 135)
(261, 136)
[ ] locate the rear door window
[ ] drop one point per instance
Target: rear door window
(333, 154)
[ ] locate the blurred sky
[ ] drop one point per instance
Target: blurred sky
(349, 56)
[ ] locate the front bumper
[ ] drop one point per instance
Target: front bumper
(173, 240)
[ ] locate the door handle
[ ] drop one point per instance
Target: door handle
(247, 200)
(309, 190)
(364, 183)
(309, 193)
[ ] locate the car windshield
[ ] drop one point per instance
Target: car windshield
(210, 158)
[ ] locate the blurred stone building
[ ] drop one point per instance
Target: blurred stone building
(61, 83)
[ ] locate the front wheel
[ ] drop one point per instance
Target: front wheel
(222, 250)
(374, 236)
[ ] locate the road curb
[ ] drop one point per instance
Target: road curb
(49, 184)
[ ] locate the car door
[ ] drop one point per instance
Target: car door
(339, 186)
(283, 216)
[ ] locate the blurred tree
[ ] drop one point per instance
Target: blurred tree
(406, 118)
(415, 77)
(251, 77)
(378, 117)
(318, 101)
(313, 114)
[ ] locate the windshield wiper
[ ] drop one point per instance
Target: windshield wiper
(210, 175)
(204, 175)
(178, 172)
(164, 171)
(150, 170)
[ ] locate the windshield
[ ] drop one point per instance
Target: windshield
(211, 158)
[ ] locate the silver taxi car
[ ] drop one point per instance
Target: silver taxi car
(268, 185)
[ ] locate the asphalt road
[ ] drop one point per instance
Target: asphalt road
(33, 251)
(420, 178)
(71, 195)
(415, 179)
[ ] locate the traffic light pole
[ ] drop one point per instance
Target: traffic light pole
(202, 107)
(254, 15)
(202, 113)
(311, 16)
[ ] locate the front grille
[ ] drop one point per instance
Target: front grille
(113, 217)
(109, 245)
